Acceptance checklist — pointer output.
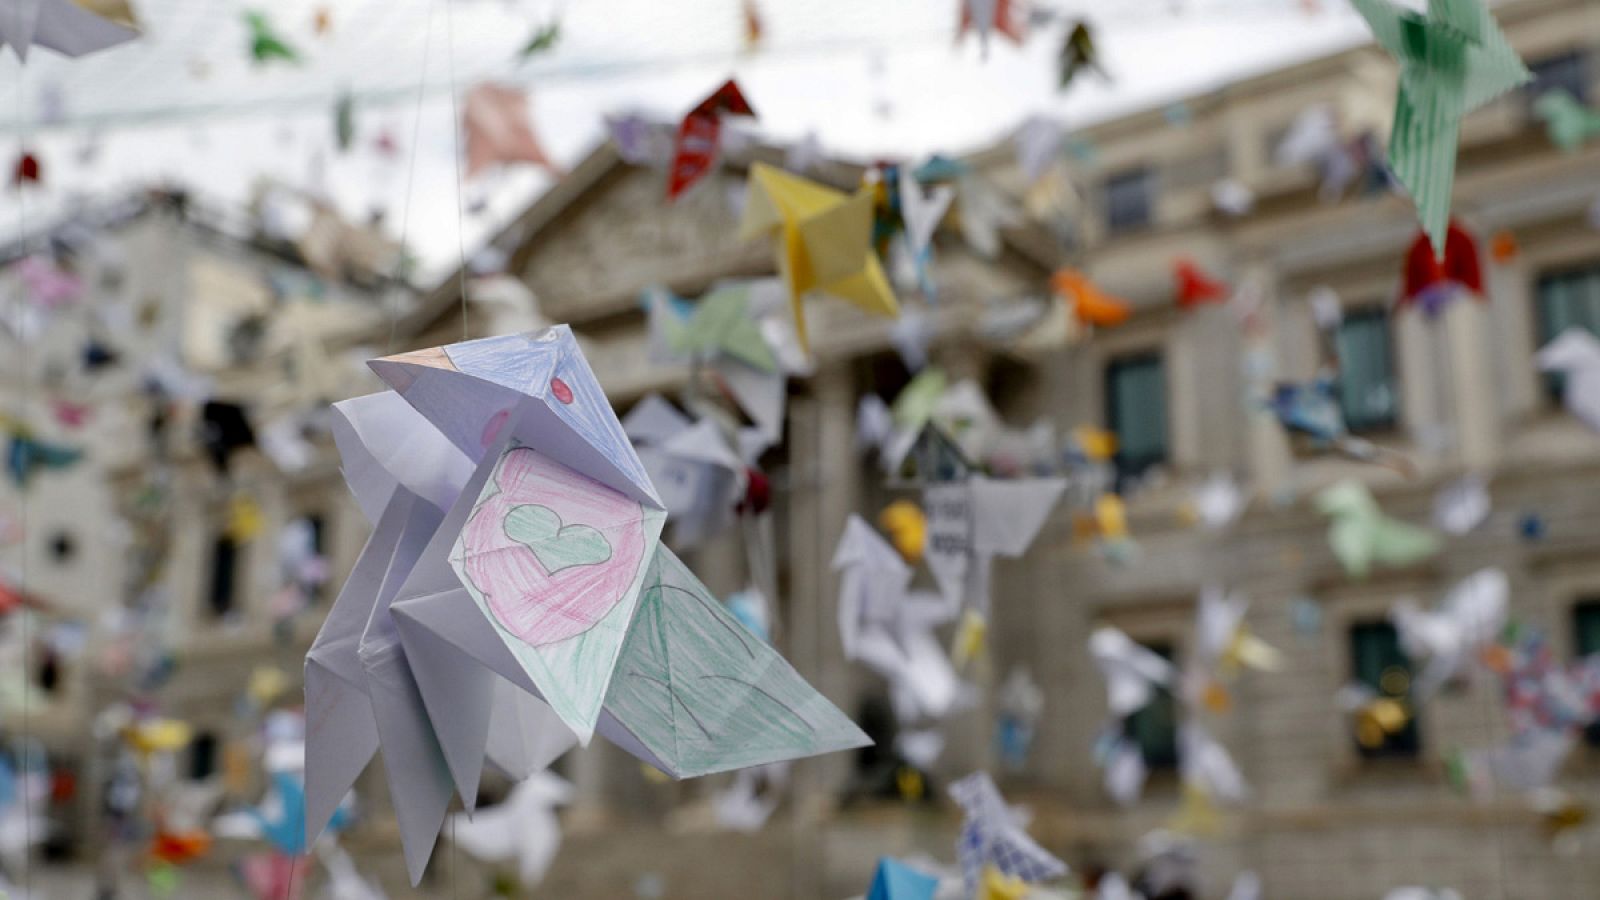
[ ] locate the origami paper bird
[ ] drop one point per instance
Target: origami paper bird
(1194, 287)
(66, 26)
(522, 827)
(1461, 505)
(750, 18)
(1089, 304)
(921, 209)
(1569, 123)
(26, 170)
(894, 880)
(1432, 279)
(1218, 501)
(722, 324)
(989, 16)
(889, 627)
(543, 40)
(1361, 535)
(514, 597)
(1453, 59)
(266, 45)
(992, 836)
(1132, 672)
(973, 520)
(1470, 616)
(344, 121)
(700, 479)
(1206, 766)
(499, 131)
(822, 239)
(1575, 353)
(1223, 647)
(699, 137)
(1078, 53)
(27, 455)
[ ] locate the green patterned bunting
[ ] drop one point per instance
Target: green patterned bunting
(1453, 60)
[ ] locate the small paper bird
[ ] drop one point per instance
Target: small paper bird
(750, 18)
(523, 828)
(265, 43)
(344, 121)
(699, 137)
(822, 238)
(1432, 279)
(991, 836)
(1362, 536)
(1090, 305)
(1575, 353)
(988, 16)
(27, 455)
(1077, 54)
(1450, 636)
(499, 131)
(722, 324)
(68, 27)
(1194, 287)
(1453, 59)
(1132, 672)
(543, 40)
(1569, 123)
(26, 170)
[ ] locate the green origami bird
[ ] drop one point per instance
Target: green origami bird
(1568, 122)
(543, 39)
(344, 121)
(265, 44)
(722, 325)
(1452, 60)
(1078, 53)
(1361, 534)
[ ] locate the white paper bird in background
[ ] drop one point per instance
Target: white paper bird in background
(1449, 636)
(523, 828)
(1575, 354)
(1132, 672)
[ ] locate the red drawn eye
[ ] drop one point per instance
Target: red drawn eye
(560, 389)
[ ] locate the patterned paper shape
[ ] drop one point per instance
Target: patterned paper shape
(555, 559)
(1453, 59)
(705, 695)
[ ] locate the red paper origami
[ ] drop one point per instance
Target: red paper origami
(699, 135)
(26, 169)
(1430, 281)
(1195, 286)
(499, 131)
(1005, 19)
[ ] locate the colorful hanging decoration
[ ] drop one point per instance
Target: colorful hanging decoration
(700, 136)
(1432, 279)
(1194, 287)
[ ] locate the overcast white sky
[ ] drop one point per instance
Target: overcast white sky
(184, 104)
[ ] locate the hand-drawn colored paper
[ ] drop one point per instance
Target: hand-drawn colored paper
(704, 694)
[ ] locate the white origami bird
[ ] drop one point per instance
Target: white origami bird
(1470, 616)
(524, 827)
(1132, 672)
(1575, 353)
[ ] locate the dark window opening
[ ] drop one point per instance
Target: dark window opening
(1130, 200)
(1155, 726)
(1367, 392)
(1586, 641)
(1377, 661)
(224, 561)
(1566, 299)
(1136, 412)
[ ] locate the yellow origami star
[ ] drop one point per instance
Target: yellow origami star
(823, 241)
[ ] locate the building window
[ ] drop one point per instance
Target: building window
(1367, 395)
(224, 562)
(1378, 662)
(1566, 299)
(202, 756)
(1568, 72)
(1130, 200)
(1136, 412)
(1155, 726)
(1586, 641)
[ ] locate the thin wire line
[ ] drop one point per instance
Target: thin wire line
(411, 171)
(27, 532)
(455, 143)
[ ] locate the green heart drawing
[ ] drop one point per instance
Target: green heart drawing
(556, 546)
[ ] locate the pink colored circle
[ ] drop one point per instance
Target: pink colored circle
(560, 389)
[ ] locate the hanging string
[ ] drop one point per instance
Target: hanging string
(24, 358)
(411, 171)
(455, 144)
